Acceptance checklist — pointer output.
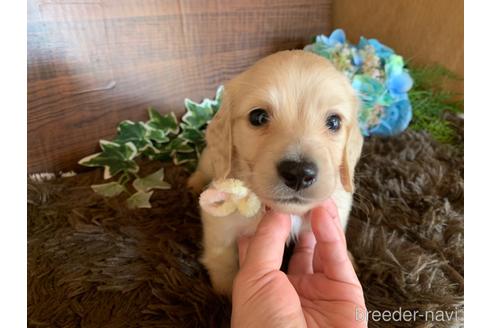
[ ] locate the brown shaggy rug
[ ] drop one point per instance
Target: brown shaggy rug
(94, 263)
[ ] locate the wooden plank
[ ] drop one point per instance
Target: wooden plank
(93, 63)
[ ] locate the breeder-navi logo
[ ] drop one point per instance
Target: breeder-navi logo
(405, 315)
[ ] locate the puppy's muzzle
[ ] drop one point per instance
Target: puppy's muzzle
(297, 175)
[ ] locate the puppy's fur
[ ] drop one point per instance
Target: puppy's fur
(299, 90)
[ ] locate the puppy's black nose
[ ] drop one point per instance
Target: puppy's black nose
(297, 175)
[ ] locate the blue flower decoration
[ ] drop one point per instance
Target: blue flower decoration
(395, 119)
(378, 76)
(399, 84)
(337, 37)
(356, 58)
(381, 50)
(370, 91)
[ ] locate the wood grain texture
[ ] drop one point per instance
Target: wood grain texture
(425, 31)
(93, 63)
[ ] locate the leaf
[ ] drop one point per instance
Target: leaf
(180, 145)
(199, 148)
(151, 181)
(114, 158)
(165, 155)
(110, 189)
(180, 158)
(162, 152)
(161, 125)
(192, 135)
(157, 135)
(197, 115)
(124, 178)
(136, 133)
(218, 99)
(139, 199)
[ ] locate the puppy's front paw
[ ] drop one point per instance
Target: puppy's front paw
(197, 182)
(222, 266)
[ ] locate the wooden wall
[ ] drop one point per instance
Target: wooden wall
(93, 63)
(427, 31)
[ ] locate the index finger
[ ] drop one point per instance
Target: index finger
(266, 248)
(330, 254)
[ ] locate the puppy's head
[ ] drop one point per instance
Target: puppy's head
(288, 128)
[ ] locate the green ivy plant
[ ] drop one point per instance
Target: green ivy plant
(163, 138)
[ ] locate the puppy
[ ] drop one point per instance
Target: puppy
(288, 128)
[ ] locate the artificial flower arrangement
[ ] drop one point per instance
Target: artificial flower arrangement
(378, 75)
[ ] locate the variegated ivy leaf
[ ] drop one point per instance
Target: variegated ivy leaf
(198, 115)
(110, 189)
(180, 145)
(218, 99)
(136, 133)
(180, 158)
(114, 158)
(140, 199)
(164, 154)
(151, 181)
(158, 136)
(161, 125)
(164, 151)
(192, 135)
(199, 148)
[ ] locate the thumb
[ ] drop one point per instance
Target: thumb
(266, 248)
(330, 254)
(242, 248)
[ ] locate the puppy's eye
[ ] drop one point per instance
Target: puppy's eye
(333, 122)
(258, 117)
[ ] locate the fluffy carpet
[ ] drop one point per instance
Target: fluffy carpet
(94, 263)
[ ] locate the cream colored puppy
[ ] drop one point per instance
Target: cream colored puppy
(288, 128)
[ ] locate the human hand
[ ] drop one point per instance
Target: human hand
(320, 289)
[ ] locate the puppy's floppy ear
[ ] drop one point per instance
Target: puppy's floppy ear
(219, 138)
(351, 154)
